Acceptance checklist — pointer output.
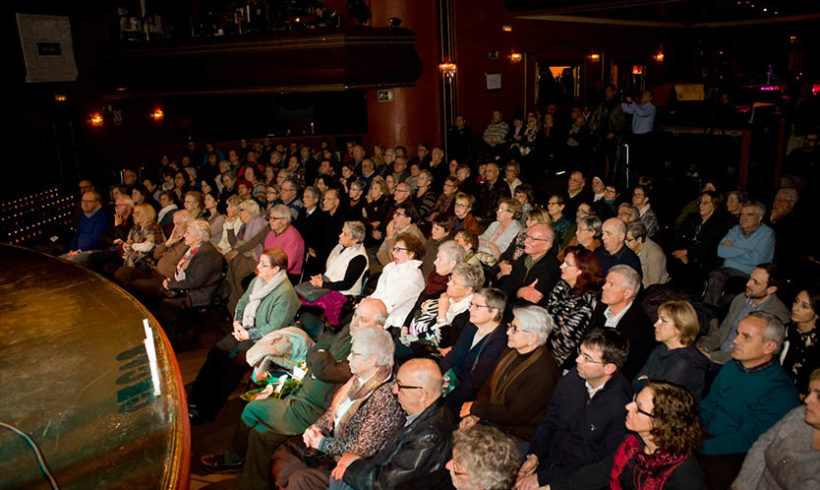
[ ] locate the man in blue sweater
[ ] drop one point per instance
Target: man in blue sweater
(745, 245)
(585, 419)
(93, 223)
(747, 397)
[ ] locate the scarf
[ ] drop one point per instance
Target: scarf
(184, 262)
(651, 470)
(501, 379)
(356, 392)
(259, 292)
(436, 283)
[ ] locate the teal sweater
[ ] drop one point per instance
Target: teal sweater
(743, 405)
(275, 311)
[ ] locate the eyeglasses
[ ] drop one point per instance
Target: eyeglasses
(553, 203)
(585, 358)
(503, 210)
(473, 305)
(263, 266)
(407, 387)
(567, 264)
(638, 407)
(276, 218)
(515, 328)
(530, 237)
(399, 249)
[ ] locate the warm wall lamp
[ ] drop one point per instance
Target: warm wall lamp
(594, 57)
(447, 70)
(96, 119)
(158, 114)
(515, 57)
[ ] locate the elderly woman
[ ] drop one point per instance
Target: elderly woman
(196, 279)
(214, 217)
(660, 453)
(788, 454)
(572, 301)
(142, 238)
(483, 458)
(437, 322)
(802, 355)
(364, 414)
(676, 359)
(424, 198)
(501, 232)
(464, 217)
(653, 260)
(401, 280)
(165, 217)
(475, 353)
(344, 274)
(694, 247)
(192, 201)
(555, 207)
(587, 231)
(247, 244)
(269, 304)
(283, 235)
(446, 200)
(515, 397)
(232, 224)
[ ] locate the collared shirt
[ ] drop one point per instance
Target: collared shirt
(593, 391)
(748, 307)
(412, 418)
(612, 320)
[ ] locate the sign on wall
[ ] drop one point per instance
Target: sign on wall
(48, 51)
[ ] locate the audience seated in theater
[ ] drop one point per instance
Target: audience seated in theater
(214, 217)
(617, 309)
(440, 231)
(309, 224)
(272, 192)
(516, 248)
(607, 207)
(676, 359)
(424, 198)
(192, 201)
(501, 232)
(246, 245)
(747, 244)
(694, 247)
(802, 356)
(375, 210)
(511, 172)
(142, 238)
(269, 304)
(146, 282)
(572, 301)
(515, 396)
(641, 195)
(483, 457)
(475, 353)
(111, 254)
(748, 396)
(560, 224)
(289, 194)
(344, 273)
(401, 281)
(490, 193)
(577, 193)
(286, 237)
(584, 210)
(734, 205)
(332, 220)
(653, 260)
(495, 133)
(437, 322)
(524, 195)
(363, 415)
(167, 202)
(416, 456)
(403, 222)
(660, 452)
(232, 224)
(464, 217)
(530, 279)
(93, 223)
(584, 422)
(266, 424)
(354, 202)
(446, 200)
(786, 455)
(788, 227)
(196, 279)
(760, 295)
(139, 194)
(469, 242)
(587, 231)
(615, 252)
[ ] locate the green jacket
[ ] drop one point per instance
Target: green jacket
(276, 311)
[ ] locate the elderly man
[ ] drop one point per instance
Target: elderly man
(653, 260)
(745, 245)
(530, 279)
(286, 237)
(110, 242)
(289, 194)
(615, 252)
(92, 225)
(788, 228)
(747, 397)
(489, 193)
(617, 310)
(760, 295)
(515, 396)
(266, 424)
(416, 456)
(585, 418)
(496, 131)
(404, 218)
(483, 457)
(576, 193)
(309, 225)
(331, 223)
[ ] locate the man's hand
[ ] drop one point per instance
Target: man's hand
(165, 283)
(312, 253)
(529, 482)
(468, 422)
(727, 243)
(341, 466)
(504, 268)
(530, 294)
(231, 255)
(72, 253)
(529, 466)
(494, 249)
(391, 229)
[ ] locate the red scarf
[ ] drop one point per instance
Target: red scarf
(436, 283)
(651, 470)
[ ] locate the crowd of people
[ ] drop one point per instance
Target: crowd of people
(439, 323)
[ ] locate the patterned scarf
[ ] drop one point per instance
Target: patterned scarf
(184, 262)
(651, 470)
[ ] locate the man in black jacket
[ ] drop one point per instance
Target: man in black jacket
(617, 309)
(585, 419)
(416, 456)
(530, 279)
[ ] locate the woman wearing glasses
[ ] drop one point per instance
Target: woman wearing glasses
(572, 301)
(676, 359)
(401, 280)
(660, 453)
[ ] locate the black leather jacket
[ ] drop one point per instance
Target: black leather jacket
(413, 459)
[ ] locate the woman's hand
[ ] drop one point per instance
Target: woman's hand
(468, 422)
(165, 283)
(316, 281)
(494, 249)
(443, 305)
(240, 333)
(312, 437)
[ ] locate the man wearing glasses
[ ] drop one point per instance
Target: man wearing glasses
(425, 440)
(530, 279)
(93, 224)
(584, 421)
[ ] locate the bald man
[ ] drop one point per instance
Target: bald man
(615, 251)
(416, 456)
(530, 279)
